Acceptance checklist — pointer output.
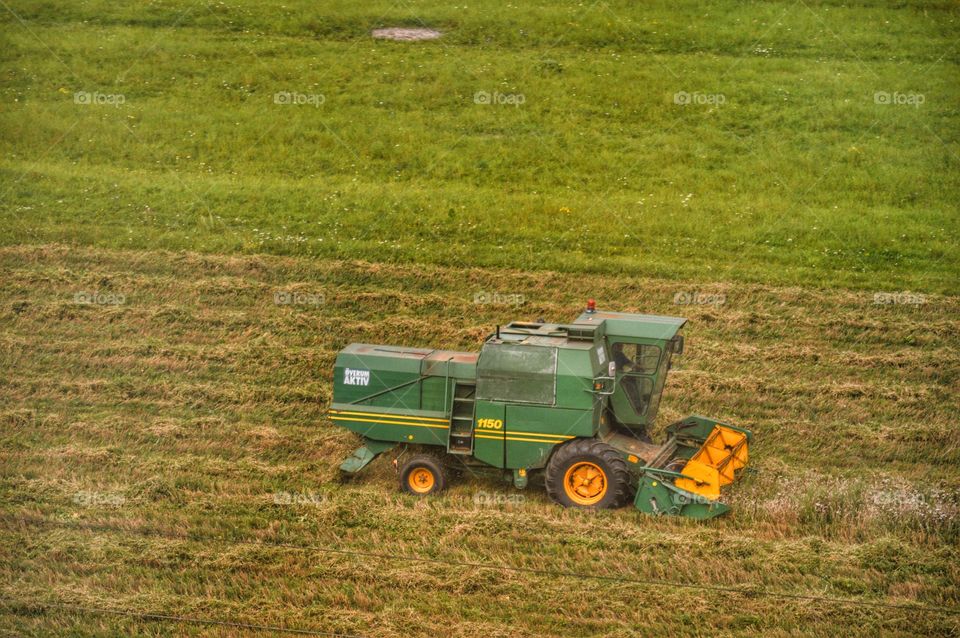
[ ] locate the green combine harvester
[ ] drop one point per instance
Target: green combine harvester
(574, 400)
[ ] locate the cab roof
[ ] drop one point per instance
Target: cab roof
(589, 326)
(628, 324)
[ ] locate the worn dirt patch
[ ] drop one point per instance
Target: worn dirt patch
(406, 34)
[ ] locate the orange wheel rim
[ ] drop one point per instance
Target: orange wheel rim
(421, 480)
(585, 483)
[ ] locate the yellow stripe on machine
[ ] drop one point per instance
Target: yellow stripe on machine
(381, 415)
(408, 423)
(442, 424)
(511, 438)
(556, 437)
(513, 433)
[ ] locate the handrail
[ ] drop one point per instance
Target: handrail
(446, 386)
(600, 393)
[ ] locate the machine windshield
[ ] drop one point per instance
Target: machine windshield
(636, 366)
(636, 358)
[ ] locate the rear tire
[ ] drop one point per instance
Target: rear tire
(588, 474)
(422, 475)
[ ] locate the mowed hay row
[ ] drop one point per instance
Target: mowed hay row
(195, 405)
(390, 595)
(200, 337)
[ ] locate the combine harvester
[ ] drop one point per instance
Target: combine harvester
(574, 400)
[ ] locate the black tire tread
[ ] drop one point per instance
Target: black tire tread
(585, 449)
(432, 461)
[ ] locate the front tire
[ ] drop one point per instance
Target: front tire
(588, 474)
(423, 474)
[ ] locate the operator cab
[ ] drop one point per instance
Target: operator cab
(640, 349)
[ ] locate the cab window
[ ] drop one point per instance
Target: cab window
(636, 358)
(638, 391)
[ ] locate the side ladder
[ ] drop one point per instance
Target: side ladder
(460, 440)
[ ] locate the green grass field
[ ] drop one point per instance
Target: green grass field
(165, 449)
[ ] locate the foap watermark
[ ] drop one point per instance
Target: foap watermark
(511, 299)
(899, 99)
(299, 99)
(485, 499)
(697, 298)
(512, 99)
(99, 298)
(899, 299)
(99, 99)
(284, 298)
(683, 98)
(99, 499)
(299, 498)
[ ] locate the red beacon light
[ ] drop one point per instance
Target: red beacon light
(591, 306)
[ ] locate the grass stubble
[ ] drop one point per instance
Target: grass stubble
(191, 418)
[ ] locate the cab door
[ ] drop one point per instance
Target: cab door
(635, 369)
